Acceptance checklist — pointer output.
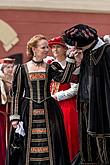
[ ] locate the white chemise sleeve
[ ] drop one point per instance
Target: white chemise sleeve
(71, 92)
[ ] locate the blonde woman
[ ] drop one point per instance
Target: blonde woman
(38, 135)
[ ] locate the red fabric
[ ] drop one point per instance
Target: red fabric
(64, 87)
(50, 61)
(74, 78)
(56, 41)
(2, 136)
(70, 114)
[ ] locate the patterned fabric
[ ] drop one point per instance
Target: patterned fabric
(45, 141)
(39, 149)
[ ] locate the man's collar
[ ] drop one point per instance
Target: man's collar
(99, 44)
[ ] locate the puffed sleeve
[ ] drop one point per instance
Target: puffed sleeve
(58, 74)
(17, 92)
(69, 93)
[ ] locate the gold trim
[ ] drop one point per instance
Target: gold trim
(39, 150)
(14, 103)
(35, 76)
(18, 90)
(39, 131)
(38, 112)
(67, 69)
(47, 121)
(39, 140)
(38, 92)
(54, 87)
(39, 121)
(30, 118)
(39, 159)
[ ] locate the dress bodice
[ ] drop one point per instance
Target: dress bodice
(40, 86)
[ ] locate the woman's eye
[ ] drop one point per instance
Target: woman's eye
(44, 47)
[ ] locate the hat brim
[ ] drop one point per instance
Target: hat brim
(57, 43)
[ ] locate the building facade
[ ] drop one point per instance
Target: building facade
(20, 20)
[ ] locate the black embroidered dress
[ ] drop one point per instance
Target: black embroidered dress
(45, 141)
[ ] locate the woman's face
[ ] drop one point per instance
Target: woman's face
(58, 50)
(42, 49)
(8, 69)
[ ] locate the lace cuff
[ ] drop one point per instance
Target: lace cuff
(14, 117)
(20, 129)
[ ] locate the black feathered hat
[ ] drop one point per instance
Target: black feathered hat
(80, 34)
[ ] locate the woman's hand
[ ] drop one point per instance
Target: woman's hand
(54, 97)
(14, 123)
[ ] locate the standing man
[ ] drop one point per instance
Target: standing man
(93, 95)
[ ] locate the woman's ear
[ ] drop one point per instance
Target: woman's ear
(34, 52)
(33, 49)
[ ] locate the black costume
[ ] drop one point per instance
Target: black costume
(93, 95)
(93, 105)
(45, 141)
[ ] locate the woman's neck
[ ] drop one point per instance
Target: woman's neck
(60, 58)
(37, 59)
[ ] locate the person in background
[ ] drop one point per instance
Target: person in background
(106, 38)
(38, 134)
(49, 59)
(66, 94)
(93, 94)
(6, 74)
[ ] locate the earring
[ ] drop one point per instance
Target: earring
(34, 54)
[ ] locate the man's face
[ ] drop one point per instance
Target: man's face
(79, 48)
(85, 47)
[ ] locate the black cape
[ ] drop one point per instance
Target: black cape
(94, 89)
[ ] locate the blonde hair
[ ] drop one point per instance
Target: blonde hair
(33, 43)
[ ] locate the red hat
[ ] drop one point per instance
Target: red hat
(56, 41)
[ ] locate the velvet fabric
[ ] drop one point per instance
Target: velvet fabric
(94, 106)
(95, 78)
(39, 111)
(80, 35)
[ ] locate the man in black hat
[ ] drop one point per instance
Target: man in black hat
(93, 95)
